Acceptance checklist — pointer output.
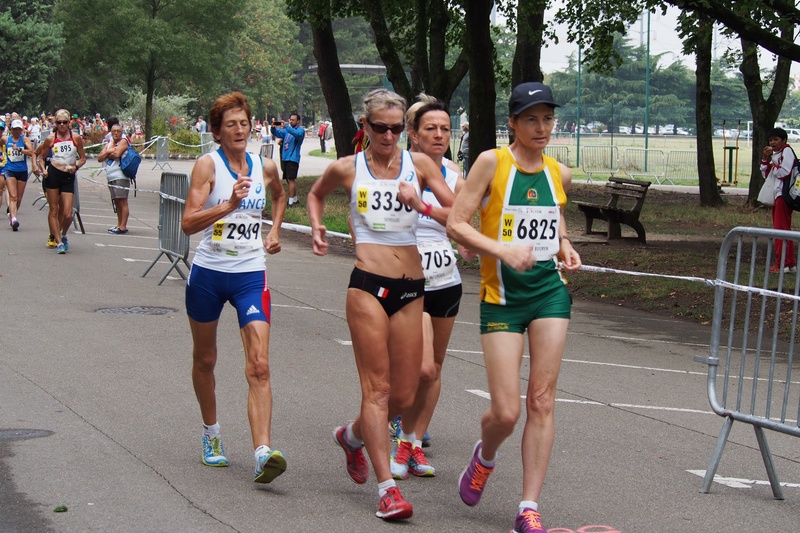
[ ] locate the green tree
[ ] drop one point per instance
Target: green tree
(30, 46)
(166, 45)
(269, 55)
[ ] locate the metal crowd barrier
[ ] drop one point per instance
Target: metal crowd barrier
(645, 163)
(682, 165)
(206, 143)
(753, 336)
(560, 152)
(172, 241)
(599, 159)
(162, 153)
(267, 150)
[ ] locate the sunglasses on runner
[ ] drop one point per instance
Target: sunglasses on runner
(62, 122)
(397, 129)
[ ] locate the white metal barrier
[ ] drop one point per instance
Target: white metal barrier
(644, 163)
(162, 153)
(560, 152)
(599, 159)
(681, 165)
(172, 241)
(752, 350)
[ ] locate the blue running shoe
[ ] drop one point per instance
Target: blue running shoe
(65, 242)
(395, 428)
(60, 248)
(213, 452)
(426, 440)
(269, 466)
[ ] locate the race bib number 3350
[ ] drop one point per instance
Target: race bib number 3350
(380, 207)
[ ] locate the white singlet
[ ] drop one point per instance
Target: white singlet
(234, 243)
(64, 151)
(377, 214)
(435, 249)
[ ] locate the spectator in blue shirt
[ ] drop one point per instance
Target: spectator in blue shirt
(292, 135)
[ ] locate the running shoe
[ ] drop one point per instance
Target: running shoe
(14, 224)
(51, 241)
(60, 249)
(395, 428)
(357, 467)
(269, 466)
(426, 440)
(213, 452)
(419, 463)
(400, 459)
(65, 242)
(528, 521)
(393, 506)
(473, 479)
(117, 231)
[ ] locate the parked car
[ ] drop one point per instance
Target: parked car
(793, 134)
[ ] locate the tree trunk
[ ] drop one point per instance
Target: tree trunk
(764, 112)
(334, 88)
(528, 53)
(480, 51)
(709, 191)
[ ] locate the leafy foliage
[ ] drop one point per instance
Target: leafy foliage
(31, 49)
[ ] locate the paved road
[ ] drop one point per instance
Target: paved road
(108, 424)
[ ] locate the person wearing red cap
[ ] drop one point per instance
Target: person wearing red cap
(523, 245)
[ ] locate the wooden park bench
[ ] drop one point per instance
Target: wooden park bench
(623, 207)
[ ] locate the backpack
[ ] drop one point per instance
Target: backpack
(791, 185)
(130, 160)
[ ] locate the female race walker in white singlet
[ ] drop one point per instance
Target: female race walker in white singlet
(384, 298)
(428, 123)
(226, 198)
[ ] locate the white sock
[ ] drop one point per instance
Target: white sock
(211, 431)
(261, 450)
(384, 486)
(350, 437)
(528, 504)
(410, 437)
(484, 462)
(417, 443)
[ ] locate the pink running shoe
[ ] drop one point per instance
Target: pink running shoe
(357, 467)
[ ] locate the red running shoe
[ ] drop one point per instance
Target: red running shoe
(393, 506)
(357, 467)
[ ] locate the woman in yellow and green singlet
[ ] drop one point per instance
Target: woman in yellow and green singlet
(521, 194)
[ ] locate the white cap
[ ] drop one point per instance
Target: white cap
(16, 123)
(25, 118)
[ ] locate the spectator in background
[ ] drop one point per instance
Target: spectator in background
(321, 134)
(361, 140)
(118, 183)
(778, 161)
(463, 149)
(201, 125)
(34, 132)
(292, 136)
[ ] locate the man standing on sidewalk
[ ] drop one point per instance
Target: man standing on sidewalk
(292, 136)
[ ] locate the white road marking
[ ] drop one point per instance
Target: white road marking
(101, 245)
(107, 234)
(486, 395)
(344, 342)
(739, 483)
